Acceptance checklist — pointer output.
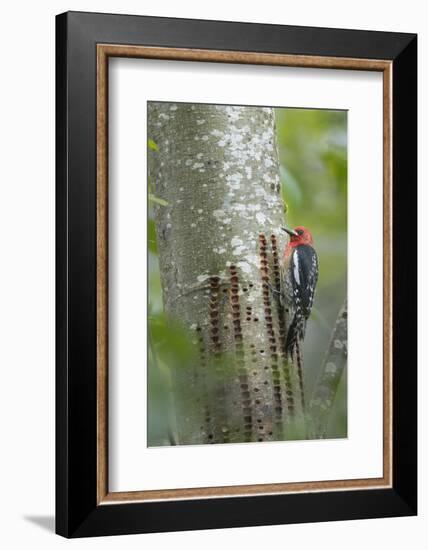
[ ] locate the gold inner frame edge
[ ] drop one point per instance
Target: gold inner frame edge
(104, 52)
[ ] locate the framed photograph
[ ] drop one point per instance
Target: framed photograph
(236, 274)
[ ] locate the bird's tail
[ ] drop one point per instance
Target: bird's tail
(292, 337)
(299, 364)
(293, 345)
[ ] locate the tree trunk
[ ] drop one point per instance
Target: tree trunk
(219, 240)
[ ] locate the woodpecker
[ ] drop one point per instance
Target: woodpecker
(298, 279)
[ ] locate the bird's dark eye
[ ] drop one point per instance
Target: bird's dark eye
(299, 232)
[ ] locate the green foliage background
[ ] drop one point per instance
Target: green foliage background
(312, 146)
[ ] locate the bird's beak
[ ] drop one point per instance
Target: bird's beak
(290, 231)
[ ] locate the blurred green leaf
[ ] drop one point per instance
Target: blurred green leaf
(151, 236)
(152, 145)
(157, 200)
(171, 341)
(159, 399)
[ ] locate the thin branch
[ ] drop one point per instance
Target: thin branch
(321, 404)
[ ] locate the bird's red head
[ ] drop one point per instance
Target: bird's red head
(298, 236)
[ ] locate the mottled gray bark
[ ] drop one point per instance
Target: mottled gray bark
(321, 404)
(219, 240)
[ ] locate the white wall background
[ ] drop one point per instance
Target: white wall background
(27, 272)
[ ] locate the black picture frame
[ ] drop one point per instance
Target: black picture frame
(77, 511)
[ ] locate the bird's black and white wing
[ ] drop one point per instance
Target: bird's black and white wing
(304, 277)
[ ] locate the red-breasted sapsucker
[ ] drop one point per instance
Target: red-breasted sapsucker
(298, 279)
